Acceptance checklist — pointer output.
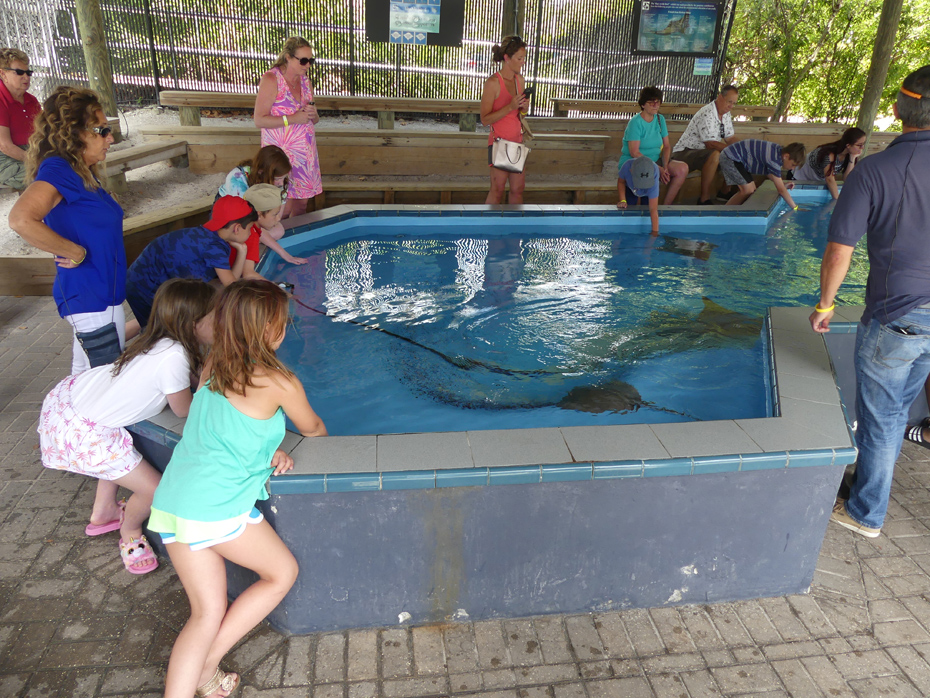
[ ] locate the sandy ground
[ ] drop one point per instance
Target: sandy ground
(161, 185)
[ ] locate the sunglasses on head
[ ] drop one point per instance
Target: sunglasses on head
(102, 131)
(20, 71)
(306, 61)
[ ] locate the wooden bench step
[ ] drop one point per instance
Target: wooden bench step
(145, 154)
(120, 162)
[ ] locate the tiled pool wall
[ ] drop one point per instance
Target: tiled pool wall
(484, 524)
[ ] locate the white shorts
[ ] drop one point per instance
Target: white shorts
(87, 322)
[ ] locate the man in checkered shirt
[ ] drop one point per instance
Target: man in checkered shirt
(708, 133)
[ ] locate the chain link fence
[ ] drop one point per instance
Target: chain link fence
(577, 49)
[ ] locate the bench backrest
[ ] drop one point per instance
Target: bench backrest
(603, 106)
(246, 100)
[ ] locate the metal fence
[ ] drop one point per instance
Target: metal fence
(577, 49)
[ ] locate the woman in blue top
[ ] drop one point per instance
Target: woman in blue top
(204, 507)
(67, 212)
(646, 134)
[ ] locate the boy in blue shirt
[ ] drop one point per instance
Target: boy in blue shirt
(740, 161)
(637, 184)
(201, 252)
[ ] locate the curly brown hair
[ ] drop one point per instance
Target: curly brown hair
(65, 115)
(250, 315)
(289, 49)
(8, 55)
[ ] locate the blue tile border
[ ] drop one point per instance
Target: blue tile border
(462, 477)
(669, 467)
(764, 461)
(802, 459)
(618, 469)
(570, 472)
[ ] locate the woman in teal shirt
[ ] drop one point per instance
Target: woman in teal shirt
(646, 134)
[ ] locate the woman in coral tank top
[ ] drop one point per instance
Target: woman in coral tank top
(501, 104)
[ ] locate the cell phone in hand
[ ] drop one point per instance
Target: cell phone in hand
(528, 91)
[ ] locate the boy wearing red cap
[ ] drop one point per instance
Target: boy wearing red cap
(201, 252)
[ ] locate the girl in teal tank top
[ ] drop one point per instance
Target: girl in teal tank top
(204, 507)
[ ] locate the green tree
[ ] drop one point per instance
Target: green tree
(810, 58)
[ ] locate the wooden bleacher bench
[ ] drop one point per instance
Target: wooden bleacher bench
(190, 103)
(213, 149)
(119, 162)
(561, 107)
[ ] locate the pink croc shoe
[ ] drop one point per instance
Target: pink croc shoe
(138, 550)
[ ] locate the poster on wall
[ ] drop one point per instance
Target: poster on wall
(416, 22)
(676, 27)
(412, 21)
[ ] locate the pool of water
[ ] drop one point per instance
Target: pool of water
(463, 324)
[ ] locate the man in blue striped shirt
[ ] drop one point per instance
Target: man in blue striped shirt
(743, 159)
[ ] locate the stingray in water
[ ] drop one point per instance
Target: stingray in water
(473, 383)
(613, 396)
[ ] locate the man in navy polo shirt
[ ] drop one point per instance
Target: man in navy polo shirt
(887, 199)
(201, 253)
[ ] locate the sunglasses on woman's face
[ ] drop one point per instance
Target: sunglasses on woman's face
(306, 61)
(102, 131)
(20, 71)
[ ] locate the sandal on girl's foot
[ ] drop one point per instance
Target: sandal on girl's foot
(136, 551)
(93, 529)
(220, 681)
(916, 435)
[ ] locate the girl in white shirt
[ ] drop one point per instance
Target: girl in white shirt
(81, 427)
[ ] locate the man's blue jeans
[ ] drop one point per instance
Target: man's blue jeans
(892, 363)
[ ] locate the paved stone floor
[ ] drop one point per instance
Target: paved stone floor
(73, 623)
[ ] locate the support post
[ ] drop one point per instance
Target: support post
(97, 56)
(878, 70)
(511, 17)
(190, 116)
(386, 119)
(468, 122)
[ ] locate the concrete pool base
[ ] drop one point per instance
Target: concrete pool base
(520, 550)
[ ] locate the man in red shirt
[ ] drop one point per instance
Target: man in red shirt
(18, 110)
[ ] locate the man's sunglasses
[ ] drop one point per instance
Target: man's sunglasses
(306, 61)
(20, 71)
(102, 131)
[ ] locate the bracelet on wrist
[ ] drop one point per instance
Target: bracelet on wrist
(77, 262)
(285, 121)
(622, 201)
(824, 310)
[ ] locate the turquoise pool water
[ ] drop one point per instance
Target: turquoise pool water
(546, 322)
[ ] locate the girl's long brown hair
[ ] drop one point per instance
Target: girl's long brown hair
(178, 305)
(250, 315)
(269, 163)
(65, 115)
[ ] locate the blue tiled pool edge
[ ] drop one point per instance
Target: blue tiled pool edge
(803, 386)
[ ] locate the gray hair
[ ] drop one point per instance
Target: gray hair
(8, 55)
(914, 112)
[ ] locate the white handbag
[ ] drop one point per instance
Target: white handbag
(508, 156)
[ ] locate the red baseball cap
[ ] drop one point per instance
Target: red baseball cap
(226, 209)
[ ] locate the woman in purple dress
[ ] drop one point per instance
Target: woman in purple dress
(285, 113)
